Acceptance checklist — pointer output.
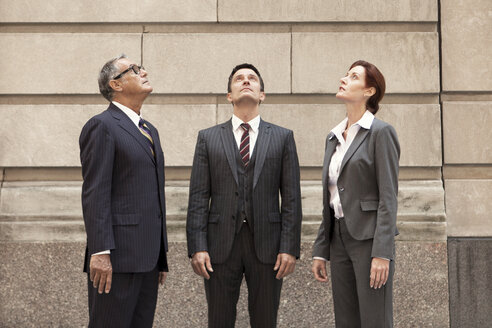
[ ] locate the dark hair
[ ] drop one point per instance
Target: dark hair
(375, 79)
(108, 71)
(245, 65)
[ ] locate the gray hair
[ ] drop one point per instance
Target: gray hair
(108, 71)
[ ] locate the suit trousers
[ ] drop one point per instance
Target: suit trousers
(222, 289)
(355, 303)
(130, 303)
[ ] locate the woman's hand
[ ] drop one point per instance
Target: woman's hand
(379, 272)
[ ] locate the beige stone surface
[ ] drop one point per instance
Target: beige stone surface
(468, 208)
(60, 63)
(72, 11)
(467, 127)
(409, 61)
(418, 127)
(327, 11)
(201, 62)
(48, 134)
(37, 211)
(466, 45)
(178, 127)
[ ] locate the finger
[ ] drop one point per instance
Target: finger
(277, 263)
(323, 275)
(203, 271)
(377, 282)
(372, 277)
(102, 283)
(208, 264)
(386, 276)
(281, 270)
(162, 277)
(109, 280)
(290, 268)
(195, 267)
(95, 281)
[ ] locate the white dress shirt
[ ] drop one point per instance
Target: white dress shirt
(253, 132)
(135, 119)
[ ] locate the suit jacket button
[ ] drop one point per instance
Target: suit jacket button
(237, 194)
(233, 217)
(342, 189)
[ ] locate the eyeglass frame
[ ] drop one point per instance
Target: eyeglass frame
(130, 68)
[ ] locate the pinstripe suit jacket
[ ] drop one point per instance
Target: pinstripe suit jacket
(368, 190)
(123, 192)
(213, 196)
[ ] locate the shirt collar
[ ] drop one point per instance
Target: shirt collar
(129, 112)
(364, 122)
(254, 123)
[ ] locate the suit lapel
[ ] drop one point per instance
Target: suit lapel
(331, 144)
(359, 138)
(230, 146)
(261, 147)
(126, 124)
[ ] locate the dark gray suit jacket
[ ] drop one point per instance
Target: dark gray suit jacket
(213, 193)
(123, 192)
(368, 189)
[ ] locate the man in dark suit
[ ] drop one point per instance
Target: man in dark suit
(123, 202)
(236, 225)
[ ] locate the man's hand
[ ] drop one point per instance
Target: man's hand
(319, 270)
(162, 277)
(379, 272)
(285, 265)
(200, 262)
(101, 272)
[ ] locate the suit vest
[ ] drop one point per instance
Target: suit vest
(245, 189)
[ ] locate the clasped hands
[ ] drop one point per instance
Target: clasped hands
(378, 276)
(200, 262)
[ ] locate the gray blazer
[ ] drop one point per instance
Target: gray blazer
(368, 189)
(213, 194)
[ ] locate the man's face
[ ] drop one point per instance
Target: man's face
(131, 83)
(245, 87)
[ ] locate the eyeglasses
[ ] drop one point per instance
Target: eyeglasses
(136, 69)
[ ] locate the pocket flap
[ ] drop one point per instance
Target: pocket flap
(369, 205)
(126, 219)
(274, 217)
(213, 218)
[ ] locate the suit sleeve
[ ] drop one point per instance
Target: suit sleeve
(97, 155)
(386, 165)
(321, 247)
(199, 196)
(290, 190)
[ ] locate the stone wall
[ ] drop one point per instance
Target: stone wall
(439, 98)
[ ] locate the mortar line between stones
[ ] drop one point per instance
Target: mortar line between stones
(291, 46)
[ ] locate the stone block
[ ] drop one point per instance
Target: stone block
(470, 270)
(466, 127)
(48, 134)
(468, 208)
(92, 11)
(327, 11)
(36, 277)
(408, 60)
(60, 63)
(418, 127)
(466, 45)
(201, 62)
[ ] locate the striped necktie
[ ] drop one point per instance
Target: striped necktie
(244, 146)
(146, 132)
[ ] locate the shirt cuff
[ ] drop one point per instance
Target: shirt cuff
(319, 258)
(103, 252)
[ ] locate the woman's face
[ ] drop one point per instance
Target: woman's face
(353, 86)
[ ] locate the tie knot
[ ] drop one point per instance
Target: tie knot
(141, 122)
(245, 126)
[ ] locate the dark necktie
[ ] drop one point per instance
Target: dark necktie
(146, 132)
(244, 146)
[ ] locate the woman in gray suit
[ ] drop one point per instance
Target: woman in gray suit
(360, 187)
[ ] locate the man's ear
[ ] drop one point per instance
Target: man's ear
(229, 97)
(116, 85)
(262, 96)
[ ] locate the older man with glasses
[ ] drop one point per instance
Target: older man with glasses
(123, 202)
